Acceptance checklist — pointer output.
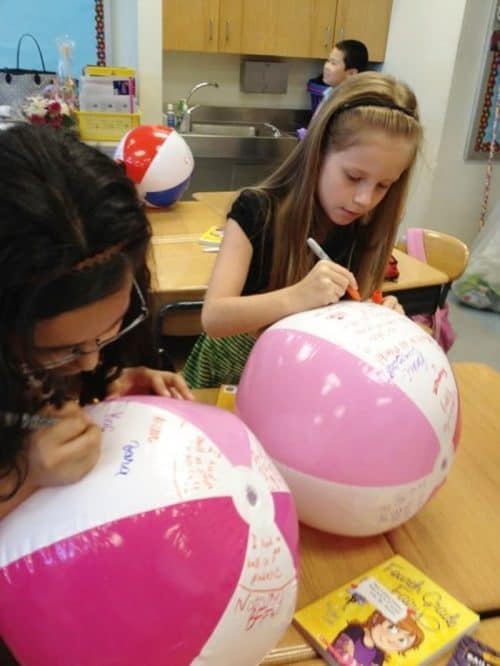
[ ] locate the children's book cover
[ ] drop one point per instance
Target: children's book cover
(471, 652)
(393, 614)
(212, 237)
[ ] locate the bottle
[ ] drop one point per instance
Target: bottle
(66, 87)
(170, 116)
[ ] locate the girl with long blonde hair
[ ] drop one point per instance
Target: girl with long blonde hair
(345, 186)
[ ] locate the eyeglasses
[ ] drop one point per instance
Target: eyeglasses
(99, 344)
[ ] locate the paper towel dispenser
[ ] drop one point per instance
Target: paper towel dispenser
(263, 76)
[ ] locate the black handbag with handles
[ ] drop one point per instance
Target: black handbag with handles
(16, 84)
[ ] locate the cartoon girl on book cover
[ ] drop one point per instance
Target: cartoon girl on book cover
(368, 643)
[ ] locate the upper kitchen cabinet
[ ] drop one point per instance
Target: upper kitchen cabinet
(191, 26)
(287, 28)
(366, 20)
(290, 28)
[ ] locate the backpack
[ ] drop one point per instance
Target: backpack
(439, 322)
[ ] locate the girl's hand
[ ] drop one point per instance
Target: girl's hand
(325, 283)
(392, 303)
(145, 381)
(64, 452)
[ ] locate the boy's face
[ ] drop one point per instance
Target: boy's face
(334, 71)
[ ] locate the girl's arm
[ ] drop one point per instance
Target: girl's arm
(225, 312)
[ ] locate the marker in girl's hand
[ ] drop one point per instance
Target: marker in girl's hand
(321, 254)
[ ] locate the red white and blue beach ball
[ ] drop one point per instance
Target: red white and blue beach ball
(159, 162)
(179, 547)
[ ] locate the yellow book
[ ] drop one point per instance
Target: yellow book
(393, 614)
(212, 237)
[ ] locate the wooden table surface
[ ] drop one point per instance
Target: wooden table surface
(219, 202)
(182, 269)
(454, 539)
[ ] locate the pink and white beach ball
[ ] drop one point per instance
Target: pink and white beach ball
(359, 409)
(180, 547)
(159, 162)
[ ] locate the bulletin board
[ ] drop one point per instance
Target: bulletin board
(81, 20)
(486, 110)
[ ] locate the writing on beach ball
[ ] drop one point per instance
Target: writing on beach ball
(179, 547)
(358, 407)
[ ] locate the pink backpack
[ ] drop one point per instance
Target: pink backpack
(439, 322)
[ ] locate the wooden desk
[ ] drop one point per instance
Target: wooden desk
(219, 202)
(454, 539)
(182, 269)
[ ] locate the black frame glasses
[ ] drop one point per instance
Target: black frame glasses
(99, 344)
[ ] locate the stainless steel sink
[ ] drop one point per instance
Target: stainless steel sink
(235, 128)
(253, 148)
(223, 129)
(237, 147)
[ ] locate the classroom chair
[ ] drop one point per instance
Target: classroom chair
(176, 327)
(449, 255)
(444, 252)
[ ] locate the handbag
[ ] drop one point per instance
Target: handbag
(16, 84)
(439, 322)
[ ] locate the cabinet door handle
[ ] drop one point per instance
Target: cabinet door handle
(210, 30)
(341, 33)
(227, 30)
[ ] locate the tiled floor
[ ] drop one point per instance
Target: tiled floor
(478, 334)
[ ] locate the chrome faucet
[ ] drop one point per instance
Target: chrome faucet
(274, 130)
(185, 124)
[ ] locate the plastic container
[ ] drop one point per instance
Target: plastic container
(94, 126)
(170, 116)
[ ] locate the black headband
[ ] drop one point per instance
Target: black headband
(373, 101)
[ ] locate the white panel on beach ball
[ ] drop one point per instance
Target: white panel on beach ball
(179, 547)
(358, 407)
(159, 161)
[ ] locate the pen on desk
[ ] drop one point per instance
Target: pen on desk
(321, 254)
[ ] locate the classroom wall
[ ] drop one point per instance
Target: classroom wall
(47, 21)
(438, 47)
(458, 184)
(183, 70)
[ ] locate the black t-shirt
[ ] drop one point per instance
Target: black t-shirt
(250, 211)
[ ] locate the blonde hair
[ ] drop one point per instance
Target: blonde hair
(367, 101)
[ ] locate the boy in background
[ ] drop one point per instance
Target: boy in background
(348, 57)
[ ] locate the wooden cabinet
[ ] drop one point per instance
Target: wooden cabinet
(286, 28)
(289, 28)
(191, 26)
(366, 20)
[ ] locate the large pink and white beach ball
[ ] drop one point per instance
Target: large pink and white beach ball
(359, 408)
(159, 162)
(180, 547)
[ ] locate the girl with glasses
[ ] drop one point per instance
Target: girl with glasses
(74, 325)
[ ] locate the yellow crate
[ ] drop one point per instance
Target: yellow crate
(94, 126)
